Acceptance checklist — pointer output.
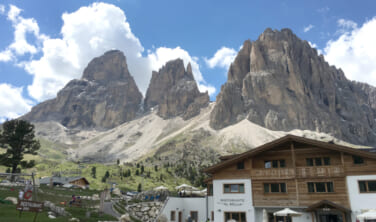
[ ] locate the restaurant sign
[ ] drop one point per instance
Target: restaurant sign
(33, 206)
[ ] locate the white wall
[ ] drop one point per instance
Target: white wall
(360, 202)
(234, 202)
(186, 205)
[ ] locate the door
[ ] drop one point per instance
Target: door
(180, 216)
(330, 218)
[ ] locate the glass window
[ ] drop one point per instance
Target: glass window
(358, 160)
(241, 188)
(282, 163)
(240, 165)
(234, 188)
(372, 186)
(274, 187)
(275, 163)
(212, 215)
(242, 217)
(362, 186)
(268, 164)
(318, 161)
(320, 187)
(283, 188)
(309, 161)
(329, 186)
(266, 188)
(194, 215)
(311, 187)
(172, 216)
(326, 161)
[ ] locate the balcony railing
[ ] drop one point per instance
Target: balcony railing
(301, 172)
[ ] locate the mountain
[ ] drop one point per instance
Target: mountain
(105, 97)
(174, 90)
(281, 83)
(276, 85)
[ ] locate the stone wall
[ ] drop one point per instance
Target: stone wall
(145, 211)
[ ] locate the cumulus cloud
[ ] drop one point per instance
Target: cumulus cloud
(308, 28)
(22, 27)
(87, 33)
(12, 103)
(222, 58)
(354, 51)
(313, 45)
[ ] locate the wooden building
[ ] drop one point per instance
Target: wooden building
(325, 182)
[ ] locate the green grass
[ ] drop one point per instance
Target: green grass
(9, 213)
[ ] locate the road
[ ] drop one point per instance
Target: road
(107, 208)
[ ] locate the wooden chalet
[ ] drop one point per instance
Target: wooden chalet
(323, 181)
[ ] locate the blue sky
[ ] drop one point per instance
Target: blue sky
(44, 44)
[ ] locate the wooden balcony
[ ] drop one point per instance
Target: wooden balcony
(322, 171)
(273, 173)
(301, 172)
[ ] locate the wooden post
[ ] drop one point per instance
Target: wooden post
(34, 189)
(294, 165)
(275, 218)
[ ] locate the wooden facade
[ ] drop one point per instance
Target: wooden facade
(311, 171)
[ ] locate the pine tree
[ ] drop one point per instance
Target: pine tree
(17, 138)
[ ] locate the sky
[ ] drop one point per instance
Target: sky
(44, 44)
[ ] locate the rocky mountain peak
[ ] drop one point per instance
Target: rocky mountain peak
(111, 66)
(105, 97)
(281, 83)
(174, 90)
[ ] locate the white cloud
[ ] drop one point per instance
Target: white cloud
(87, 33)
(222, 58)
(308, 28)
(2, 9)
(22, 27)
(355, 51)
(6, 56)
(12, 103)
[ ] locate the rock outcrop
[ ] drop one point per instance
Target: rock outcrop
(174, 90)
(105, 97)
(281, 83)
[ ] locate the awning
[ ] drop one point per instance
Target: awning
(326, 204)
(287, 212)
(369, 215)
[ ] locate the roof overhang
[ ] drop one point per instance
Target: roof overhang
(324, 204)
(288, 139)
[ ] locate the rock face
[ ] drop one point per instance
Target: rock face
(105, 97)
(174, 90)
(281, 83)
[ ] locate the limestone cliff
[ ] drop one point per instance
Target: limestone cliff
(174, 90)
(105, 97)
(281, 83)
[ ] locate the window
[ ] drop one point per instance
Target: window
(212, 215)
(358, 160)
(233, 188)
(274, 164)
(172, 216)
(194, 215)
(240, 165)
(320, 187)
(210, 190)
(237, 216)
(318, 161)
(367, 186)
(274, 188)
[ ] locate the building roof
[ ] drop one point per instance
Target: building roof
(61, 180)
(288, 139)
